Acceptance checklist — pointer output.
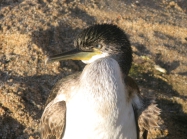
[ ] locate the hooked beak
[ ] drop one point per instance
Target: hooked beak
(75, 54)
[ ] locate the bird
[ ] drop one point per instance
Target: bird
(102, 101)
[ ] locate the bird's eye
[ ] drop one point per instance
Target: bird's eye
(99, 46)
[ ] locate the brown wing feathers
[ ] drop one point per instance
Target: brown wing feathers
(51, 125)
(147, 115)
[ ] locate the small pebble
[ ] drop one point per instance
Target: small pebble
(157, 67)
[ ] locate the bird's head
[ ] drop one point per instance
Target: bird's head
(99, 41)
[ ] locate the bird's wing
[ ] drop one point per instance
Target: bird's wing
(146, 110)
(133, 95)
(52, 123)
(148, 115)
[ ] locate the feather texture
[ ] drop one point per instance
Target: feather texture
(53, 121)
(145, 108)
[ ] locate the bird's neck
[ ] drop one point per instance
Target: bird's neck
(103, 79)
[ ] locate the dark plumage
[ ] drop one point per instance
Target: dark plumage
(113, 40)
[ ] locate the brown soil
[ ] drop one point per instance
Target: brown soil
(32, 29)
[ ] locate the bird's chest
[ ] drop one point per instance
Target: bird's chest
(91, 118)
(98, 109)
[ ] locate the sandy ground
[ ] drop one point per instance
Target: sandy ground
(32, 29)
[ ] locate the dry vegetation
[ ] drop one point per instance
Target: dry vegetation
(32, 29)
